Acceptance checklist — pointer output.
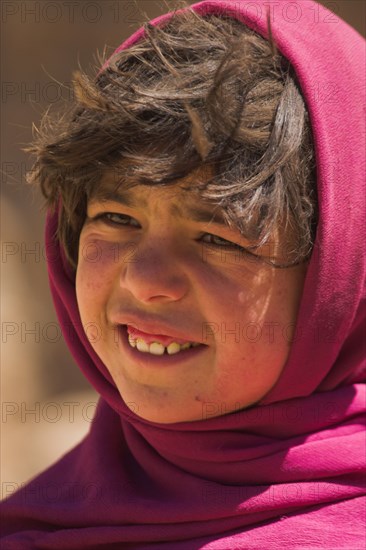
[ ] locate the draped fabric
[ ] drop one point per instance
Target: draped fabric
(288, 471)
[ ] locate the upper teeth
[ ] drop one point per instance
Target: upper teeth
(156, 348)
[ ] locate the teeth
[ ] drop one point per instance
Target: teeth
(184, 346)
(142, 346)
(131, 341)
(173, 348)
(156, 348)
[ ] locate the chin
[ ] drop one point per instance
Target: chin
(167, 415)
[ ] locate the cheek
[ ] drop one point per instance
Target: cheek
(95, 274)
(91, 277)
(94, 251)
(230, 289)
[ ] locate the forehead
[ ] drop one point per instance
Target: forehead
(125, 175)
(180, 198)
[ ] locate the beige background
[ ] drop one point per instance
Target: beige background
(47, 405)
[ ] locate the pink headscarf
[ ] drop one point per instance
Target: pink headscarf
(287, 472)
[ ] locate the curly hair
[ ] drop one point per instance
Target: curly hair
(194, 92)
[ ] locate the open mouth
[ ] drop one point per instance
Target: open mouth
(162, 346)
(157, 348)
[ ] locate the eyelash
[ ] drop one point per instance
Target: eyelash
(224, 243)
(105, 217)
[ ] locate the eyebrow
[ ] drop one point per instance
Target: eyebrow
(193, 213)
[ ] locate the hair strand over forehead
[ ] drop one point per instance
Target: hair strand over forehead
(194, 92)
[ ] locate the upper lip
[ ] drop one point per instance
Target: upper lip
(151, 325)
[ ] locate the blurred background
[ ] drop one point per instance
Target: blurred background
(47, 405)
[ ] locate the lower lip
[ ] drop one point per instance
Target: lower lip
(150, 360)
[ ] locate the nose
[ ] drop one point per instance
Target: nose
(154, 274)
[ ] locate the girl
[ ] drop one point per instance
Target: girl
(206, 259)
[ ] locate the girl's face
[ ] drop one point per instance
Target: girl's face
(156, 264)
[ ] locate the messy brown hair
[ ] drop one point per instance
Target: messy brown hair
(194, 92)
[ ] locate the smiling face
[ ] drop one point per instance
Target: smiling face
(157, 266)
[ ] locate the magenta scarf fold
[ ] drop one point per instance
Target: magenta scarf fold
(288, 472)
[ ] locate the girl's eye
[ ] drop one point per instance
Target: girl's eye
(219, 242)
(114, 219)
(208, 238)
